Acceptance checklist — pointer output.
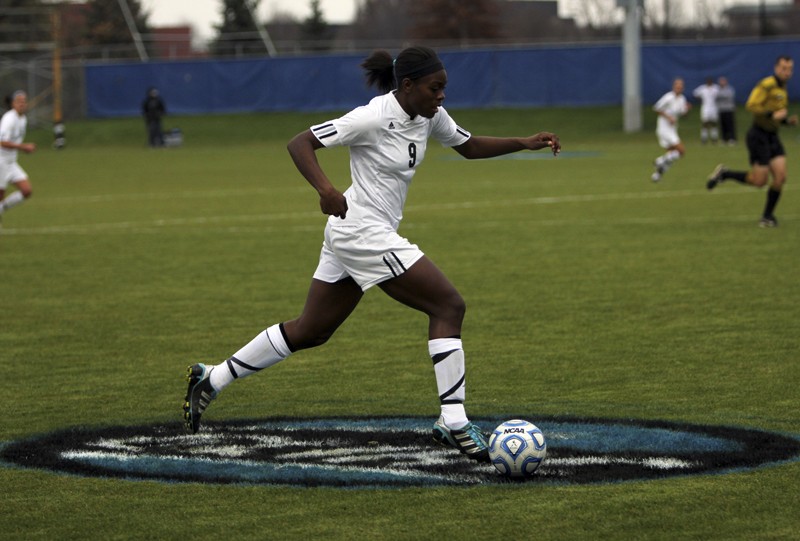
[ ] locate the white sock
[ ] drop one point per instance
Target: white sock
(266, 349)
(11, 201)
(704, 135)
(671, 156)
(448, 365)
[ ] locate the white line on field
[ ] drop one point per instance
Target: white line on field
(153, 226)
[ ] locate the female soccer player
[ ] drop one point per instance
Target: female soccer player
(669, 108)
(387, 140)
(13, 126)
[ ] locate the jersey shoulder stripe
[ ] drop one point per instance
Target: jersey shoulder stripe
(324, 130)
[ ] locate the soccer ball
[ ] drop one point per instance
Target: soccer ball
(517, 448)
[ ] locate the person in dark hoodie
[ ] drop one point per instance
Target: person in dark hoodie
(153, 110)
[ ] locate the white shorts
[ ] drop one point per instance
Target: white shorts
(369, 254)
(709, 115)
(668, 137)
(11, 172)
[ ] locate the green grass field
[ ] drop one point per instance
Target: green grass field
(591, 292)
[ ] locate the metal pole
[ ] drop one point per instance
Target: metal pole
(58, 117)
(262, 31)
(632, 66)
(137, 38)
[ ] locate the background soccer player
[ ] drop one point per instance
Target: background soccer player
(670, 107)
(13, 126)
(768, 102)
(709, 114)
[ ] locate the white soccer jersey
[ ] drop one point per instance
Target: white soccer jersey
(12, 129)
(673, 105)
(707, 94)
(386, 147)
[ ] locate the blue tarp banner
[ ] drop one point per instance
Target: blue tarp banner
(530, 77)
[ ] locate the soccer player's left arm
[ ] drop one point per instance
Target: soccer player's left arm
(477, 146)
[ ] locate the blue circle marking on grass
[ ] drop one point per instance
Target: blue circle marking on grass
(393, 452)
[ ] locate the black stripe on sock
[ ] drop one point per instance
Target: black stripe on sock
(229, 364)
(450, 391)
(285, 339)
(234, 360)
(439, 357)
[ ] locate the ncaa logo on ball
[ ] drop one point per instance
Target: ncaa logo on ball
(517, 448)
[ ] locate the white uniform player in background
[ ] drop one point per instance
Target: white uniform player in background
(709, 111)
(13, 126)
(670, 107)
(387, 139)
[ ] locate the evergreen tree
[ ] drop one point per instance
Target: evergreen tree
(238, 32)
(316, 30)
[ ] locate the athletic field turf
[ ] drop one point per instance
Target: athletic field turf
(592, 293)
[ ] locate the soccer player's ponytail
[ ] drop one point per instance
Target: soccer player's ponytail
(412, 63)
(379, 69)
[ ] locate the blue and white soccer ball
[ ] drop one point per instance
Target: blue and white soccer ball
(517, 448)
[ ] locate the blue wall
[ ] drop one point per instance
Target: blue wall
(533, 77)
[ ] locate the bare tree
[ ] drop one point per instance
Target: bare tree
(106, 24)
(455, 20)
(382, 21)
(596, 13)
(661, 17)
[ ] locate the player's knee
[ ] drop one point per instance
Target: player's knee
(315, 340)
(301, 336)
(454, 308)
(311, 339)
(25, 189)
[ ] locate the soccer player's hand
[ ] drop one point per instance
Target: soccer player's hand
(543, 140)
(333, 203)
(27, 147)
(792, 120)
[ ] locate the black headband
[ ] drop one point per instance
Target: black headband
(426, 67)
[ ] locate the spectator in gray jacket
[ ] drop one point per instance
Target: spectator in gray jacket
(726, 104)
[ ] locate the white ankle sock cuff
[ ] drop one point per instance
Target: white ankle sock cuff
(275, 337)
(442, 345)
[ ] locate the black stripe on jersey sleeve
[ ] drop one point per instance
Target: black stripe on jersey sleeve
(329, 128)
(462, 131)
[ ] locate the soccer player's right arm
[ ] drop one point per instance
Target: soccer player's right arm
(5, 133)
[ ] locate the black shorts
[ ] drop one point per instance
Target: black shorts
(763, 146)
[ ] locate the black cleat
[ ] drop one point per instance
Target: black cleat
(198, 396)
(768, 221)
